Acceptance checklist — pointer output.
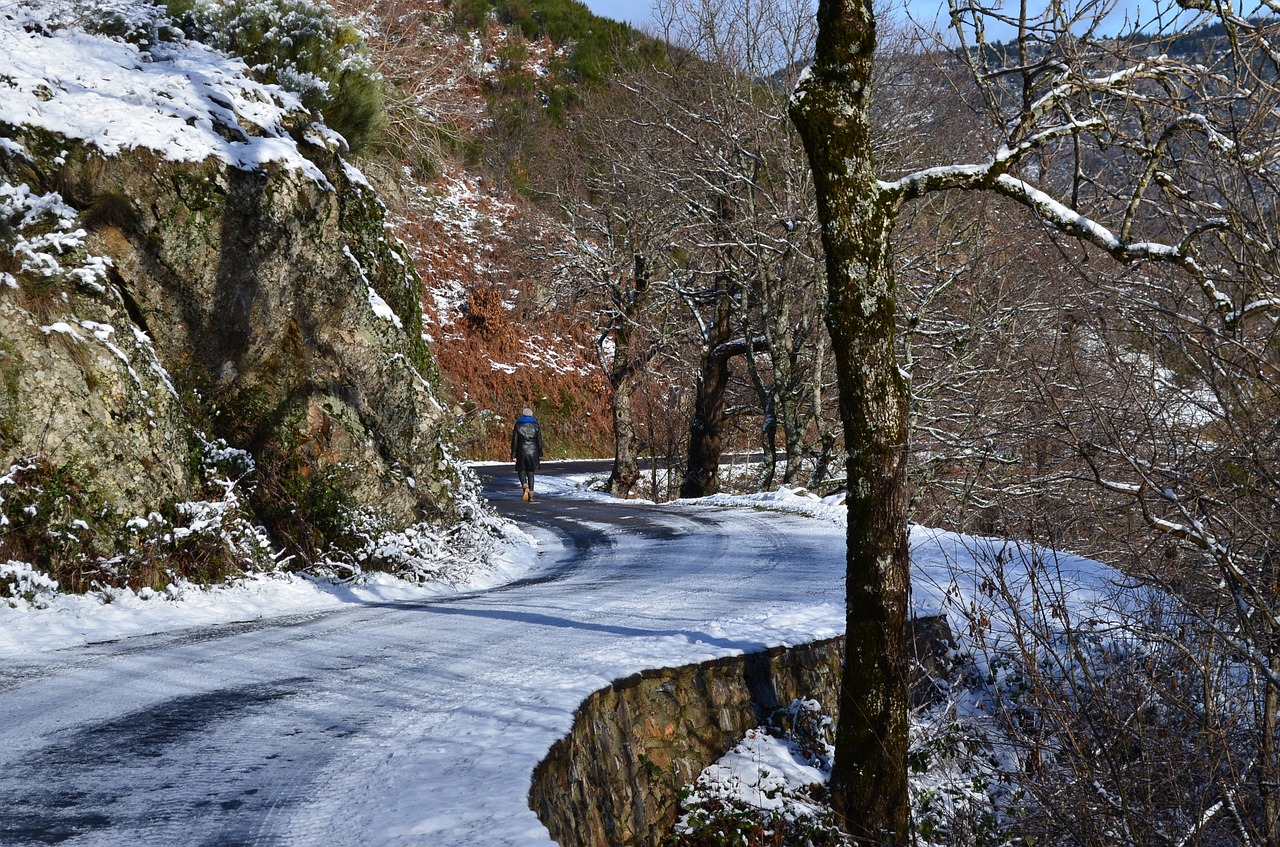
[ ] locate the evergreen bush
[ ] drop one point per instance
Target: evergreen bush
(597, 44)
(304, 48)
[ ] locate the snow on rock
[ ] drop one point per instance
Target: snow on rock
(382, 310)
(205, 181)
(182, 100)
(766, 782)
(45, 230)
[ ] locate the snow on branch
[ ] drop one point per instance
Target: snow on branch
(1119, 487)
(940, 178)
(1067, 220)
(738, 347)
(1197, 121)
(1257, 307)
(1191, 529)
(972, 176)
(1007, 155)
(1151, 69)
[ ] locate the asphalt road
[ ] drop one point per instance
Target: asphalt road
(390, 723)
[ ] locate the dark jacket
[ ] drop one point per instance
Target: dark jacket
(526, 441)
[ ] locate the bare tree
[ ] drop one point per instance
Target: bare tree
(759, 248)
(755, 38)
(710, 150)
(1114, 143)
(1171, 420)
(602, 262)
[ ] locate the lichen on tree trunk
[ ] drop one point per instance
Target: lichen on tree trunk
(626, 461)
(627, 364)
(706, 428)
(830, 111)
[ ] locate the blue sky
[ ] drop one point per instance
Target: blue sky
(928, 10)
(636, 12)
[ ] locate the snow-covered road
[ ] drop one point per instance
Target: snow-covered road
(398, 723)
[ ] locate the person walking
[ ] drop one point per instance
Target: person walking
(526, 449)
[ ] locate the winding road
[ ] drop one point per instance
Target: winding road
(410, 723)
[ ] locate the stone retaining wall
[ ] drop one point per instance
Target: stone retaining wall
(614, 780)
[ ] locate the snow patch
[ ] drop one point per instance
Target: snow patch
(181, 100)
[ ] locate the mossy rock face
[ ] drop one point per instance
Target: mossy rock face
(11, 367)
(78, 383)
(265, 308)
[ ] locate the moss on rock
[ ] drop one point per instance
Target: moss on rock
(228, 306)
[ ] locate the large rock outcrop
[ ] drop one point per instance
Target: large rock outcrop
(206, 359)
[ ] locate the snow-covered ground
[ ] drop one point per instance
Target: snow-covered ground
(382, 714)
(175, 98)
(387, 713)
(1003, 601)
(57, 621)
(63, 621)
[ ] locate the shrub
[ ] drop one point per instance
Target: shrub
(598, 45)
(125, 20)
(50, 517)
(306, 504)
(10, 394)
(304, 48)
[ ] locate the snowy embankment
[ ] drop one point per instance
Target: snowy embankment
(1006, 603)
(952, 574)
(56, 621)
(180, 99)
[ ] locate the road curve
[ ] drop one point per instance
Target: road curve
(413, 723)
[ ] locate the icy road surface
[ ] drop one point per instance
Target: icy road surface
(410, 723)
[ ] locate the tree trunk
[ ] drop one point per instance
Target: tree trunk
(830, 111)
(769, 443)
(767, 395)
(822, 463)
(626, 457)
(1269, 767)
(793, 426)
(706, 429)
(827, 435)
(627, 365)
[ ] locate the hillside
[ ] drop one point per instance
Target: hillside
(478, 94)
(278, 339)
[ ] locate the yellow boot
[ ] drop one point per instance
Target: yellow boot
(528, 495)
